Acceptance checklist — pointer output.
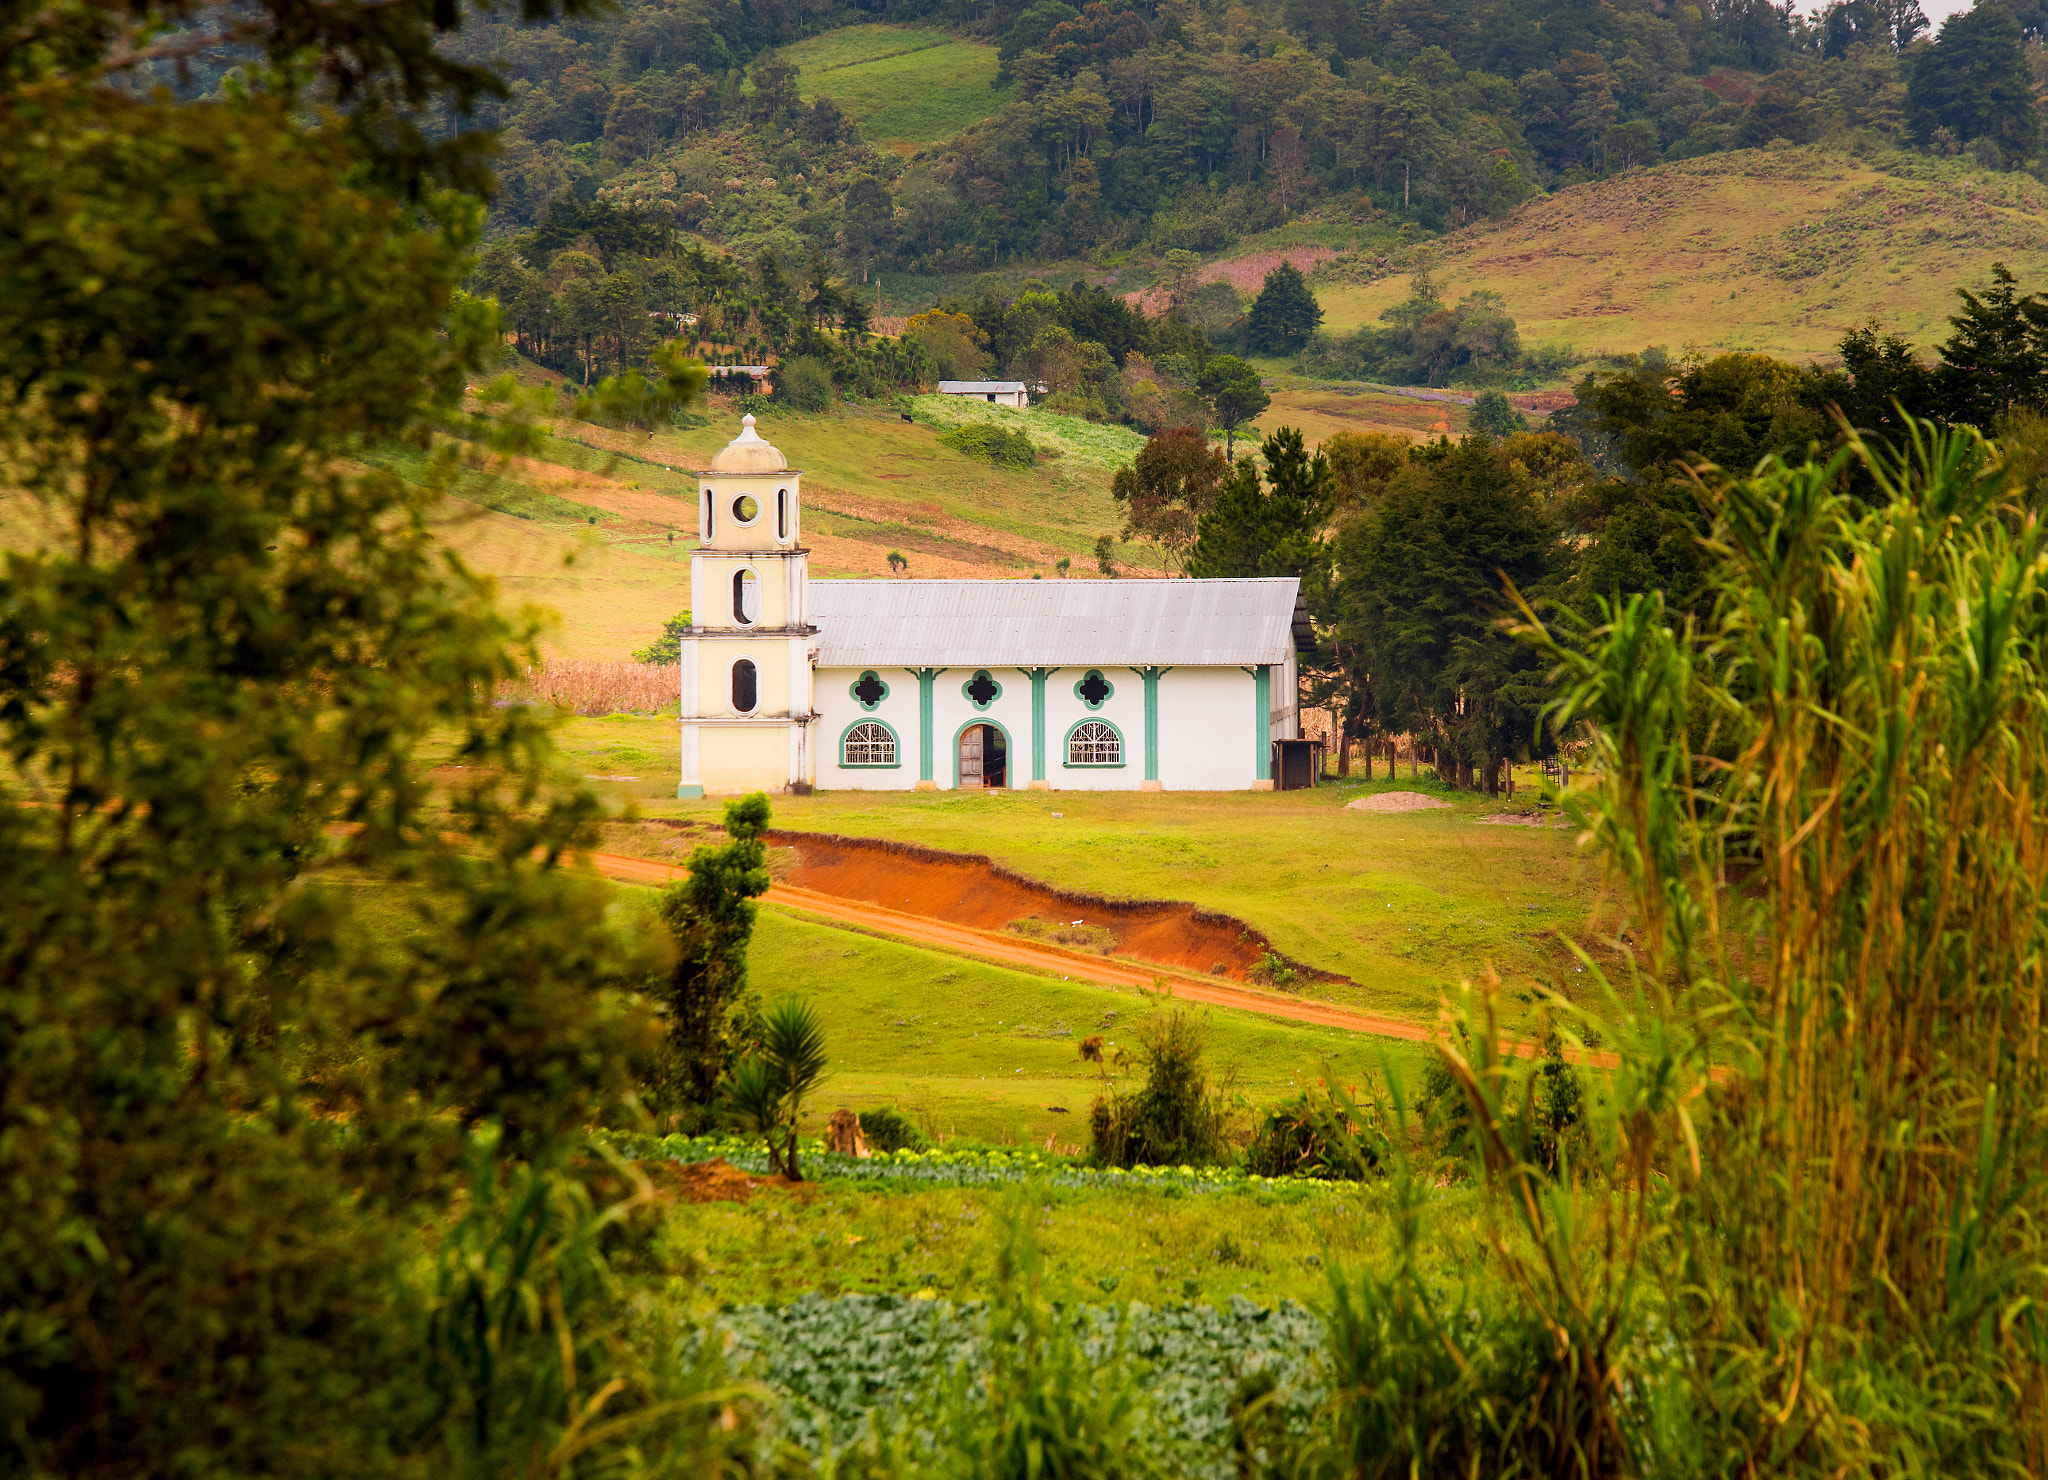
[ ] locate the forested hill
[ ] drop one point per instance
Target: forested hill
(1164, 126)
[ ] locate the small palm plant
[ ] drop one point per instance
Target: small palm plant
(768, 1088)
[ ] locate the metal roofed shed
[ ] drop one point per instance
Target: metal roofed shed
(915, 624)
(1013, 393)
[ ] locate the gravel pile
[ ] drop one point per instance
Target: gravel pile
(1395, 801)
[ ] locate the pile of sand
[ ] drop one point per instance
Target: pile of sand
(1395, 801)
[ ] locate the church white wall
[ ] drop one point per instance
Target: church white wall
(838, 710)
(1208, 729)
(1125, 709)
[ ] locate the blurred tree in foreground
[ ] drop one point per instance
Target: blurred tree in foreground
(228, 1105)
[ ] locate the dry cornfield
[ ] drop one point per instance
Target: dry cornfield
(595, 686)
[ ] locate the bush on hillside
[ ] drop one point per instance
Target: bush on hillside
(890, 1130)
(1179, 1118)
(998, 446)
(1327, 1135)
(805, 383)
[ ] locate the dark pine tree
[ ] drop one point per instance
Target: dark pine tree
(1274, 528)
(1285, 313)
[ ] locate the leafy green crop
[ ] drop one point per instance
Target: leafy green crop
(837, 1361)
(944, 1168)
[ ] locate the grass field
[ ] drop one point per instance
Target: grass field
(967, 1049)
(1778, 251)
(1152, 1247)
(904, 85)
(1404, 904)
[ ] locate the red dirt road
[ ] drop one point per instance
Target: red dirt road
(1011, 950)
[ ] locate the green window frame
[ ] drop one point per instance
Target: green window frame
(1093, 740)
(853, 691)
(1109, 689)
(846, 737)
(967, 690)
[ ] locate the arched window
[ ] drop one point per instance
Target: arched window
(868, 744)
(745, 686)
(1093, 743)
(782, 513)
(746, 598)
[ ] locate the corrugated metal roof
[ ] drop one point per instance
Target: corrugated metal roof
(978, 387)
(1021, 624)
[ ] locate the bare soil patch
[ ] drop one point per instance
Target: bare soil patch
(972, 889)
(1246, 274)
(1516, 819)
(1395, 801)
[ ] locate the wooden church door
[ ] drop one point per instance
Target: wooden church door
(970, 756)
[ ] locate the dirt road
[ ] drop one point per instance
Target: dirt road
(1030, 955)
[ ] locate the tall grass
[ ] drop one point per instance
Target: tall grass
(594, 686)
(1823, 1149)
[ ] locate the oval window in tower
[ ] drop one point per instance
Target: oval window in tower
(745, 509)
(746, 598)
(744, 686)
(782, 514)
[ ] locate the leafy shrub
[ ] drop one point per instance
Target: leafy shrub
(888, 1130)
(1273, 971)
(805, 383)
(667, 648)
(1329, 1136)
(1178, 1118)
(1000, 446)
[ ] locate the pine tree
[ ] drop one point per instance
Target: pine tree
(1997, 358)
(1277, 530)
(1420, 599)
(1494, 415)
(1285, 313)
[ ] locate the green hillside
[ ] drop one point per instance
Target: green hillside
(904, 85)
(1779, 251)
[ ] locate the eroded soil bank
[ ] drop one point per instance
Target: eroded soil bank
(973, 889)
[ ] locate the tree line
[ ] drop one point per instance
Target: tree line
(1415, 559)
(590, 290)
(1173, 127)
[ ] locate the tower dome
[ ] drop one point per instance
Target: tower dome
(749, 452)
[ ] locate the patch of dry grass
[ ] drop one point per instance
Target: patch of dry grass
(1777, 251)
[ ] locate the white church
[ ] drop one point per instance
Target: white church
(790, 684)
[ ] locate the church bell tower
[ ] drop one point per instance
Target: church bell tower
(747, 707)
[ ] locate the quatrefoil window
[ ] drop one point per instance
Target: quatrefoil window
(981, 690)
(869, 689)
(1094, 690)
